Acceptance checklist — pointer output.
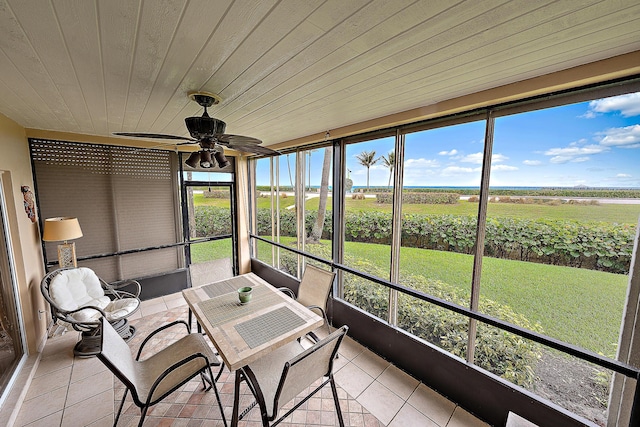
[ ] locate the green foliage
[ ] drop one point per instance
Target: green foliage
(500, 352)
(421, 198)
(216, 194)
(267, 188)
(212, 221)
(596, 246)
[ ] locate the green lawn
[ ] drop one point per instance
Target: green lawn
(613, 213)
(579, 306)
(208, 251)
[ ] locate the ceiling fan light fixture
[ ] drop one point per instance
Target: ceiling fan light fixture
(205, 159)
(193, 160)
(221, 159)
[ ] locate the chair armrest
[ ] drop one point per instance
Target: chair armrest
(287, 291)
(160, 329)
(65, 316)
(114, 288)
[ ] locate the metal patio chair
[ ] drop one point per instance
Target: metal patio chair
(313, 292)
(154, 378)
(280, 376)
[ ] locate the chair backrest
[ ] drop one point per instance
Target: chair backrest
(315, 286)
(211, 271)
(73, 288)
(116, 355)
(307, 367)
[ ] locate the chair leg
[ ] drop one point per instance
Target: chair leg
(220, 371)
(215, 389)
(143, 413)
(336, 401)
(124, 396)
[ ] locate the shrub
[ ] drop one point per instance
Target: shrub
(421, 198)
(595, 246)
(216, 194)
(211, 221)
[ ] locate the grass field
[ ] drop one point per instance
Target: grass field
(613, 213)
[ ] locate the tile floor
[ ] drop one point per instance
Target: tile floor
(68, 391)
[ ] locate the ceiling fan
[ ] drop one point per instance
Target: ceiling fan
(209, 133)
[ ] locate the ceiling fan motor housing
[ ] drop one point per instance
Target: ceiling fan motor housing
(204, 127)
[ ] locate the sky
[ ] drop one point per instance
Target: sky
(593, 144)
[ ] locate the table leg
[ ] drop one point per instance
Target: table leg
(236, 401)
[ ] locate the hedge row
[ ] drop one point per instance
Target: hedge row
(421, 198)
(497, 351)
(595, 246)
(216, 194)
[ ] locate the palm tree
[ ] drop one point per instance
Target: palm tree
(316, 231)
(389, 162)
(367, 159)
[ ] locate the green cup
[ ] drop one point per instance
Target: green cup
(244, 294)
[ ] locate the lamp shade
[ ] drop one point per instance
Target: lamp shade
(61, 229)
(222, 160)
(205, 159)
(193, 160)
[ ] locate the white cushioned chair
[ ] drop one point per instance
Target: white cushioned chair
(79, 298)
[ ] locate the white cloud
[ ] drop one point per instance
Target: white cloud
(574, 150)
(626, 137)
(560, 159)
(504, 168)
(421, 163)
(476, 158)
(623, 175)
(457, 170)
(448, 153)
(628, 105)
(532, 162)
(574, 153)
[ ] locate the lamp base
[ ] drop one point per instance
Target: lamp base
(67, 255)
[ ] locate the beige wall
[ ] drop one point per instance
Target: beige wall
(15, 167)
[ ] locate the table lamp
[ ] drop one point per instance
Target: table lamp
(62, 229)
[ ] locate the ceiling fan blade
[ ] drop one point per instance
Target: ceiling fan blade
(154, 136)
(236, 139)
(251, 148)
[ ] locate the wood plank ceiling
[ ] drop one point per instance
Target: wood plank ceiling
(284, 68)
